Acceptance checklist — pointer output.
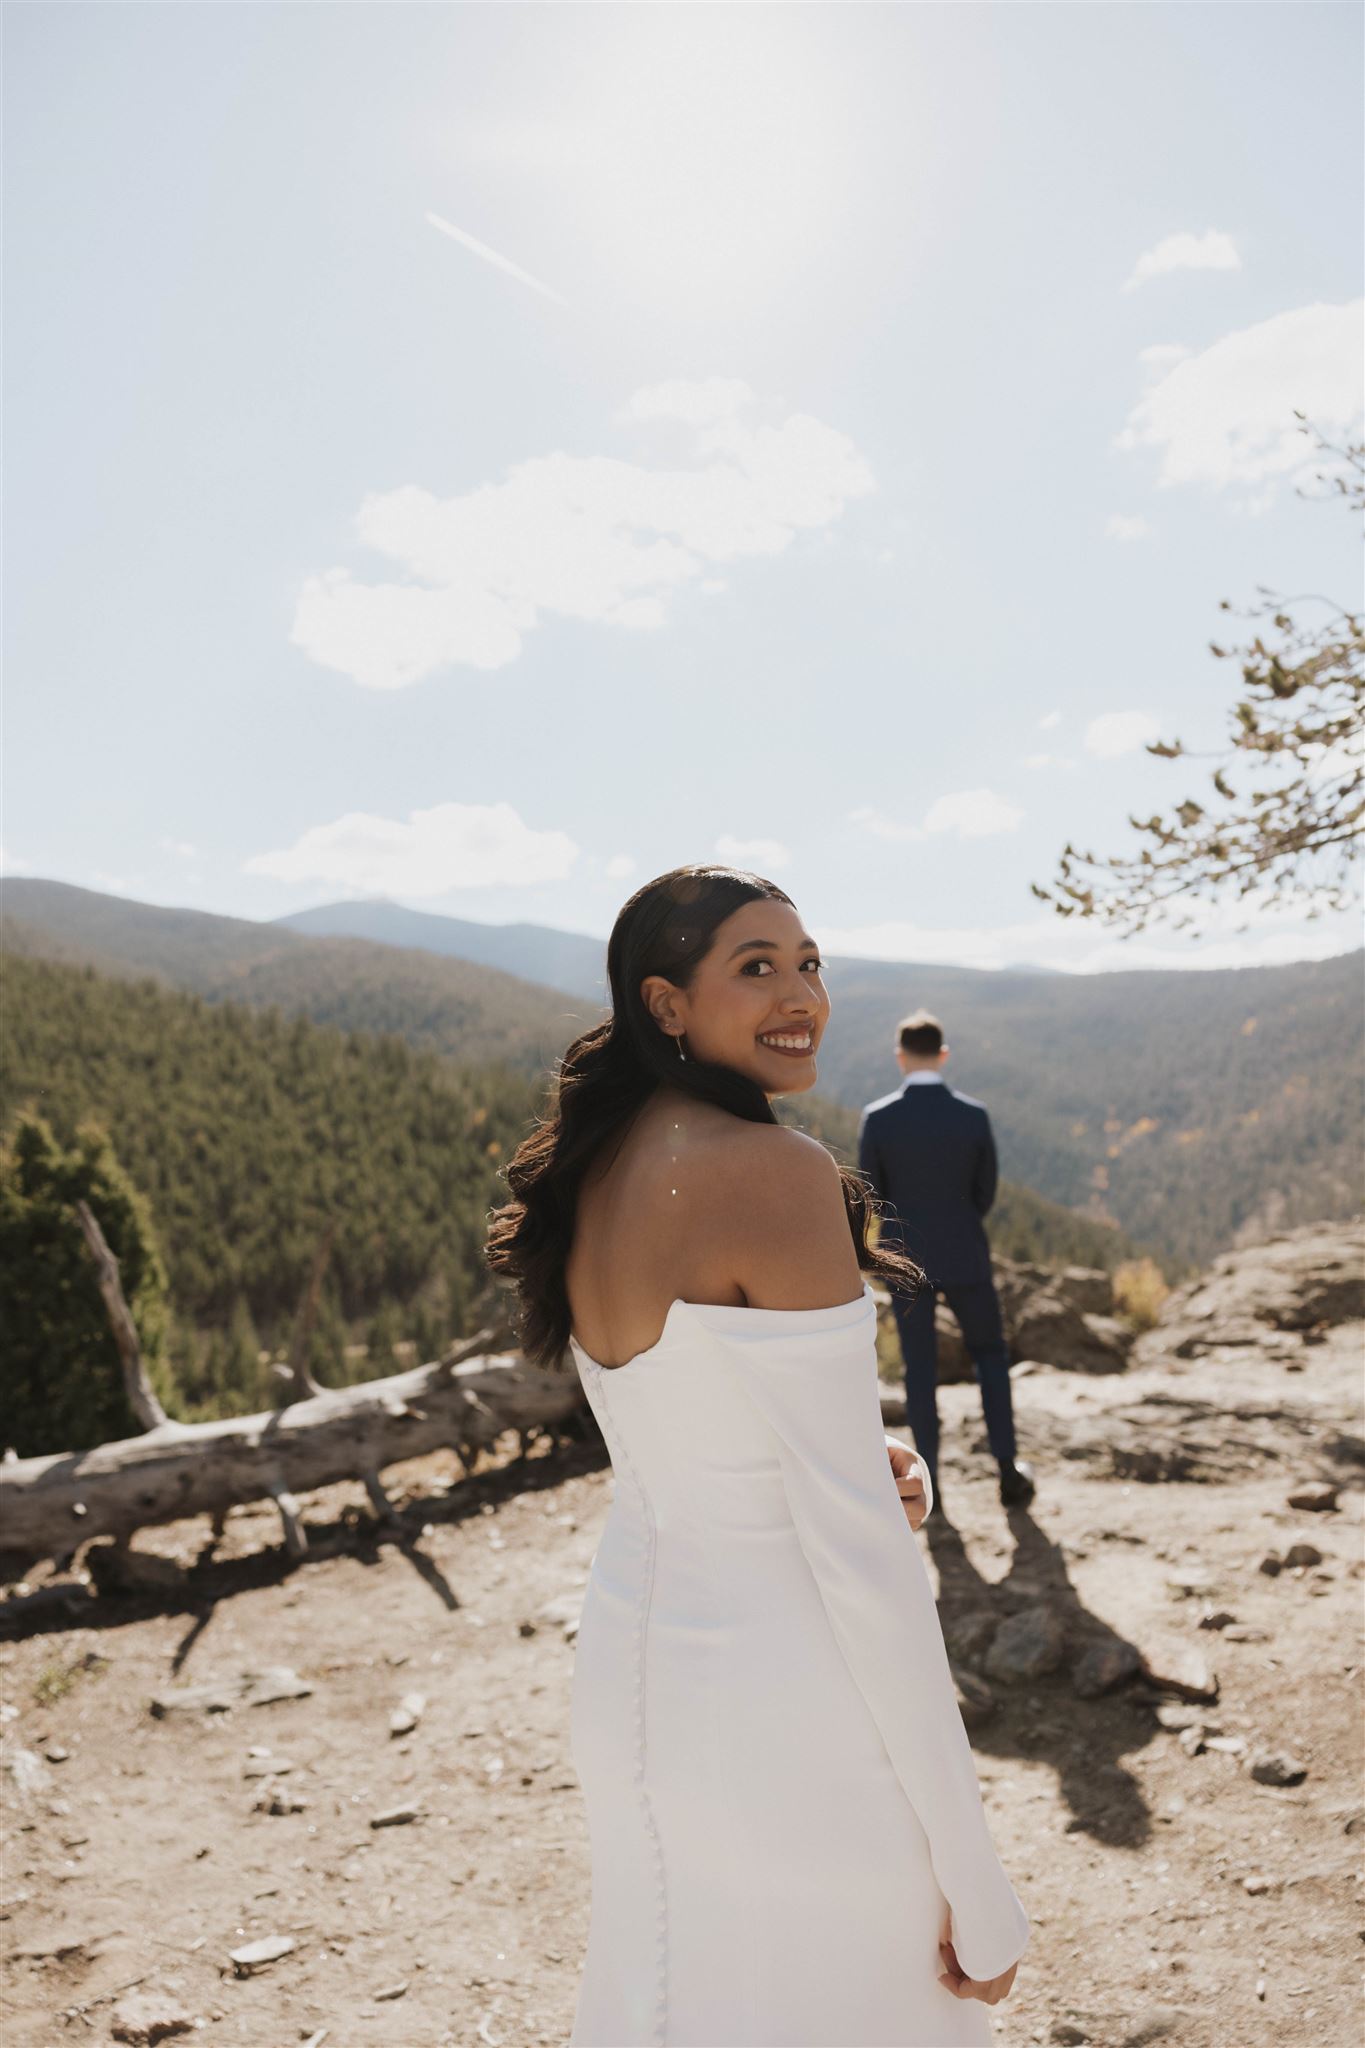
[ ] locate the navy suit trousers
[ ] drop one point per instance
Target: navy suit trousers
(977, 1310)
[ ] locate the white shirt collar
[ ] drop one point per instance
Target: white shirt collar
(922, 1074)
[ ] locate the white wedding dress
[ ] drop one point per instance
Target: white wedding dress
(779, 1791)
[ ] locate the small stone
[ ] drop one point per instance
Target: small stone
(147, 2016)
(395, 1817)
(407, 1713)
(1272, 1564)
(1191, 1739)
(55, 1753)
(1226, 1745)
(1183, 1672)
(389, 1991)
(1304, 1554)
(1242, 1632)
(266, 1766)
(1068, 2034)
(275, 1798)
(1176, 1717)
(1317, 1498)
(1218, 1617)
(257, 1954)
(1275, 1768)
(1194, 1580)
(1257, 1885)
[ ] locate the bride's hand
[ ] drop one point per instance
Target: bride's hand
(909, 1480)
(990, 1990)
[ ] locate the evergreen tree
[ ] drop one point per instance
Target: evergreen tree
(61, 1383)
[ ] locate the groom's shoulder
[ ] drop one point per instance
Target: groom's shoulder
(968, 1101)
(883, 1102)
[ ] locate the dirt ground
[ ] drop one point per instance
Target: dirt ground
(1173, 1896)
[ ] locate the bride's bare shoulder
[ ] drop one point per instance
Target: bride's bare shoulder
(784, 1219)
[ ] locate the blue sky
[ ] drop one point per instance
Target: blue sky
(845, 486)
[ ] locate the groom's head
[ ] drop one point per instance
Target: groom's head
(920, 1044)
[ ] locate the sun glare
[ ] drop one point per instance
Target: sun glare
(700, 157)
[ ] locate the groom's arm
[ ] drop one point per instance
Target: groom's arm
(868, 1160)
(986, 1171)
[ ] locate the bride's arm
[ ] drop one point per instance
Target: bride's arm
(818, 1389)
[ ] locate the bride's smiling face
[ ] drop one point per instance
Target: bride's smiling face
(758, 984)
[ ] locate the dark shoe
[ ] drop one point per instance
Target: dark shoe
(1016, 1484)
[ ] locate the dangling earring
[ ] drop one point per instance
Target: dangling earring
(681, 1054)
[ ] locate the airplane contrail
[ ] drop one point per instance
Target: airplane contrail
(492, 256)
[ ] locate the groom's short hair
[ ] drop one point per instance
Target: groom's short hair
(921, 1034)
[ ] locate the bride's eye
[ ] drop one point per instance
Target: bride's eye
(818, 965)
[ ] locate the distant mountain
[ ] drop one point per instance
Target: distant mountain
(455, 1006)
(536, 952)
(1193, 1109)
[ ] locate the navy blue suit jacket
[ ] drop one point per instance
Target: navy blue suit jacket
(930, 1155)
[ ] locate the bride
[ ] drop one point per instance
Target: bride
(787, 1836)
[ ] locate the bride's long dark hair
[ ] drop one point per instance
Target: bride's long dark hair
(607, 1074)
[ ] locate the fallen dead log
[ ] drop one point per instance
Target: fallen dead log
(51, 1504)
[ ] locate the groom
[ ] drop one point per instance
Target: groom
(930, 1155)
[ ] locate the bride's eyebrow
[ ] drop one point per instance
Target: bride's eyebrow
(768, 946)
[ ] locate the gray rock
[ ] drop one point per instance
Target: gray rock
(1088, 1288)
(148, 2016)
(1302, 1554)
(1317, 1498)
(1251, 1297)
(1184, 1672)
(1028, 1645)
(1275, 1768)
(968, 1636)
(1047, 1318)
(1068, 2034)
(1103, 1666)
(247, 1689)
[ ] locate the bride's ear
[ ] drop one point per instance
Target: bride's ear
(658, 994)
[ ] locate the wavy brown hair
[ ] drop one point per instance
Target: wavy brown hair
(606, 1076)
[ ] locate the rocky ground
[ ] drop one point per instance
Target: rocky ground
(362, 1759)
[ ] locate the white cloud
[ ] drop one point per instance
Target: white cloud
(1225, 417)
(450, 846)
(582, 537)
(758, 854)
(619, 866)
(972, 814)
(1052, 719)
(1209, 251)
(181, 848)
(1160, 356)
(1119, 732)
(117, 885)
(882, 827)
(1120, 526)
(10, 864)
